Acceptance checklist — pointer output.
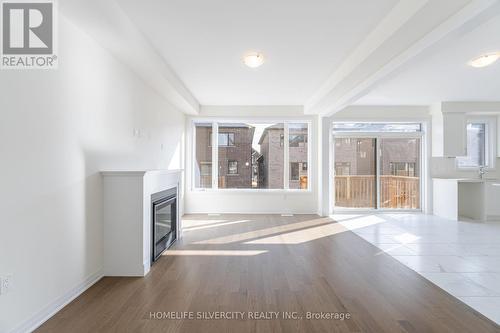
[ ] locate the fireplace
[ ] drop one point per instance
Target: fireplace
(164, 221)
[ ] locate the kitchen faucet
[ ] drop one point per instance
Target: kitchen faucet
(481, 171)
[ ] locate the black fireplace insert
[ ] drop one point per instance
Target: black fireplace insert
(164, 221)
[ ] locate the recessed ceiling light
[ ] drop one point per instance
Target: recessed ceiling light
(485, 60)
(253, 60)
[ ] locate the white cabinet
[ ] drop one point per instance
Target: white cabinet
(454, 134)
(493, 200)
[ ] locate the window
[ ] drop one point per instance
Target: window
(476, 147)
(342, 168)
(298, 140)
(377, 127)
(251, 155)
(225, 139)
(298, 155)
(238, 162)
(203, 167)
(206, 168)
(232, 167)
(402, 169)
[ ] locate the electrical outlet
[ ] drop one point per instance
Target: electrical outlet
(5, 284)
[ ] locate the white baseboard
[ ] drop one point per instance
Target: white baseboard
(249, 213)
(45, 314)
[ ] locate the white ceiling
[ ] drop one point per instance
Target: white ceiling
(303, 42)
(442, 74)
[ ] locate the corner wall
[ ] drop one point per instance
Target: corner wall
(58, 130)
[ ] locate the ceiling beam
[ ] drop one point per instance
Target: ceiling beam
(410, 28)
(107, 23)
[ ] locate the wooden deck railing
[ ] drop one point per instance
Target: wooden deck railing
(360, 191)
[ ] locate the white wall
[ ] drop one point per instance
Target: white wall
(436, 113)
(248, 201)
(58, 129)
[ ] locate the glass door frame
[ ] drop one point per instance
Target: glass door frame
(378, 136)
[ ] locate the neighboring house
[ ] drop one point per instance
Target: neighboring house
(357, 157)
(298, 158)
(272, 150)
(402, 158)
(235, 155)
(354, 157)
(256, 172)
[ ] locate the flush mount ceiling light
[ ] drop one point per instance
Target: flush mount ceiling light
(253, 60)
(484, 60)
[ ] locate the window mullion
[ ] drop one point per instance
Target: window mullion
(286, 157)
(378, 161)
(215, 155)
(309, 152)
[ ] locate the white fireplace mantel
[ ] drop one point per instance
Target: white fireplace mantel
(127, 217)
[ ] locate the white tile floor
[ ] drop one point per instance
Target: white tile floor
(462, 258)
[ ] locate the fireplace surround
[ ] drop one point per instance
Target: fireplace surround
(128, 198)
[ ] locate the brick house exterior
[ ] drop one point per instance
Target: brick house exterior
(235, 155)
(272, 150)
(356, 157)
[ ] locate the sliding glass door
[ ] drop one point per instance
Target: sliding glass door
(399, 173)
(355, 173)
(377, 166)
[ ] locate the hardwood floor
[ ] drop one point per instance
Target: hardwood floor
(269, 263)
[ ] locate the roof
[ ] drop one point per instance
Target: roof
(273, 127)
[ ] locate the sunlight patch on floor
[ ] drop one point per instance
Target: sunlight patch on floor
(302, 236)
(317, 232)
(265, 232)
(356, 222)
(187, 223)
(213, 225)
